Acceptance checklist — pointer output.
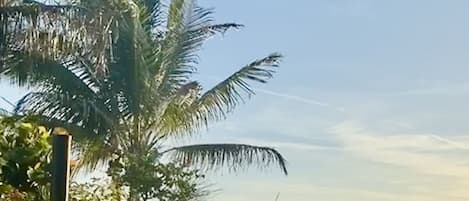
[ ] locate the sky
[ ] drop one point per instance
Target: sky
(369, 103)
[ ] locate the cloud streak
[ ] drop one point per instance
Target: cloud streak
(423, 154)
(296, 98)
(299, 99)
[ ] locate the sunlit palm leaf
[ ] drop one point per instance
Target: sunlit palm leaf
(231, 156)
(215, 103)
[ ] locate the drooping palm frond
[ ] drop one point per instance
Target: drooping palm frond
(232, 156)
(22, 24)
(53, 31)
(92, 154)
(69, 74)
(64, 81)
(79, 133)
(70, 110)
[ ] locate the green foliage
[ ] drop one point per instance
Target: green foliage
(24, 158)
(166, 182)
(25, 152)
(97, 190)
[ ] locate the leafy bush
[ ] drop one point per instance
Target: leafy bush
(25, 171)
(24, 160)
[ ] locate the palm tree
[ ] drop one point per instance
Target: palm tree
(117, 74)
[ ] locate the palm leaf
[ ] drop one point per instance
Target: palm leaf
(55, 30)
(23, 23)
(4, 112)
(70, 74)
(215, 103)
(188, 116)
(210, 30)
(188, 27)
(233, 156)
(79, 133)
(92, 154)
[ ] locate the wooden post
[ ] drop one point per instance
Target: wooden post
(61, 143)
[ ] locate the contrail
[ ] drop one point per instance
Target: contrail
(298, 99)
(293, 97)
(308, 101)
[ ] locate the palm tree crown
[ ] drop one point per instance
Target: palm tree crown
(117, 74)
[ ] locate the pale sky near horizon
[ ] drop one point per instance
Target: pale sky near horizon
(368, 105)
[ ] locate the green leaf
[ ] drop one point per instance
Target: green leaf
(232, 156)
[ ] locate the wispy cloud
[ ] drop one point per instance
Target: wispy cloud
(424, 154)
(436, 166)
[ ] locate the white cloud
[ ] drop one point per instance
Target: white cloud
(423, 154)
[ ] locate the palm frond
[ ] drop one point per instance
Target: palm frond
(86, 114)
(56, 30)
(210, 30)
(215, 103)
(188, 26)
(79, 133)
(92, 154)
(70, 74)
(232, 156)
(151, 16)
(4, 112)
(22, 24)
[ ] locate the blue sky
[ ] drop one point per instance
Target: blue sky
(369, 103)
